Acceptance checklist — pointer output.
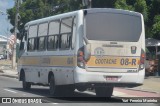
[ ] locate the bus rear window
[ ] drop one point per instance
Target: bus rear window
(113, 27)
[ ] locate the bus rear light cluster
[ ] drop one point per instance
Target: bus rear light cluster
(80, 59)
(142, 59)
(83, 55)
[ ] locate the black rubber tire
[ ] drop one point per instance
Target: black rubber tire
(53, 88)
(25, 85)
(104, 91)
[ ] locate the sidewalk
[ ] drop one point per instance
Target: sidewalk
(8, 72)
(151, 83)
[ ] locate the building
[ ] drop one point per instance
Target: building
(3, 44)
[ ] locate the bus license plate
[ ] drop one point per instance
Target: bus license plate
(112, 78)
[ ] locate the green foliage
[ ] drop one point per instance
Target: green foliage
(103, 3)
(122, 4)
(35, 9)
(156, 27)
(141, 6)
(157, 18)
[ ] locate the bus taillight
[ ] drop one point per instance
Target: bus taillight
(83, 55)
(80, 58)
(142, 59)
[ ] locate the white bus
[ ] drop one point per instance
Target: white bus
(92, 48)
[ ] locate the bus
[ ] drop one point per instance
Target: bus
(98, 49)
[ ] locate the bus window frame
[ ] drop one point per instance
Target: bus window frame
(56, 44)
(35, 38)
(56, 20)
(45, 37)
(74, 19)
(35, 44)
(44, 44)
(70, 43)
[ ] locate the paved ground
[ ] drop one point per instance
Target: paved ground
(151, 85)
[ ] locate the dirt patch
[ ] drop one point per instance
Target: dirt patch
(5, 62)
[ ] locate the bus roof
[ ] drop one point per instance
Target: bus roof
(55, 17)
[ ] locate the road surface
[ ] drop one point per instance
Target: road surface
(11, 87)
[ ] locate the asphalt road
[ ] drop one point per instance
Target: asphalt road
(11, 87)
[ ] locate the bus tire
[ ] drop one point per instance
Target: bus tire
(104, 91)
(25, 85)
(53, 88)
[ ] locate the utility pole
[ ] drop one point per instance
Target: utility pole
(90, 4)
(15, 34)
(87, 3)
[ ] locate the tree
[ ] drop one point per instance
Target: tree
(122, 4)
(141, 6)
(156, 27)
(36, 9)
(103, 3)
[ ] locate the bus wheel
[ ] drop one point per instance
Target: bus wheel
(26, 85)
(53, 87)
(104, 91)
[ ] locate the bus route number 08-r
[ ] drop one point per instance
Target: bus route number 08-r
(127, 61)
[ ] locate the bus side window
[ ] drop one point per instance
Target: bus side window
(42, 34)
(66, 33)
(31, 44)
(52, 43)
(32, 40)
(41, 43)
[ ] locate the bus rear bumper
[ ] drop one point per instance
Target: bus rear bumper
(93, 84)
(81, 76)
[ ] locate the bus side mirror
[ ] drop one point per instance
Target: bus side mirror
(22, 46)
(87, 52)
(25, 36)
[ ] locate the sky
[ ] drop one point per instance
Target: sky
(5, 26)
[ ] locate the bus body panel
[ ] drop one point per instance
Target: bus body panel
(83, 76)
(37, 70)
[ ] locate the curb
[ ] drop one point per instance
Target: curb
(1, 71)
(143, 90)
(10, 76)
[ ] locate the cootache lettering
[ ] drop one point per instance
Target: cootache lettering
(105, 61)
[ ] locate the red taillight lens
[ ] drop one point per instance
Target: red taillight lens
(80, 58)
(142, 58)
(81, 53)
(143, 55)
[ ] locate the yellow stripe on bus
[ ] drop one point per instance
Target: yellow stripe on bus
(48, 61)
(111, 61)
